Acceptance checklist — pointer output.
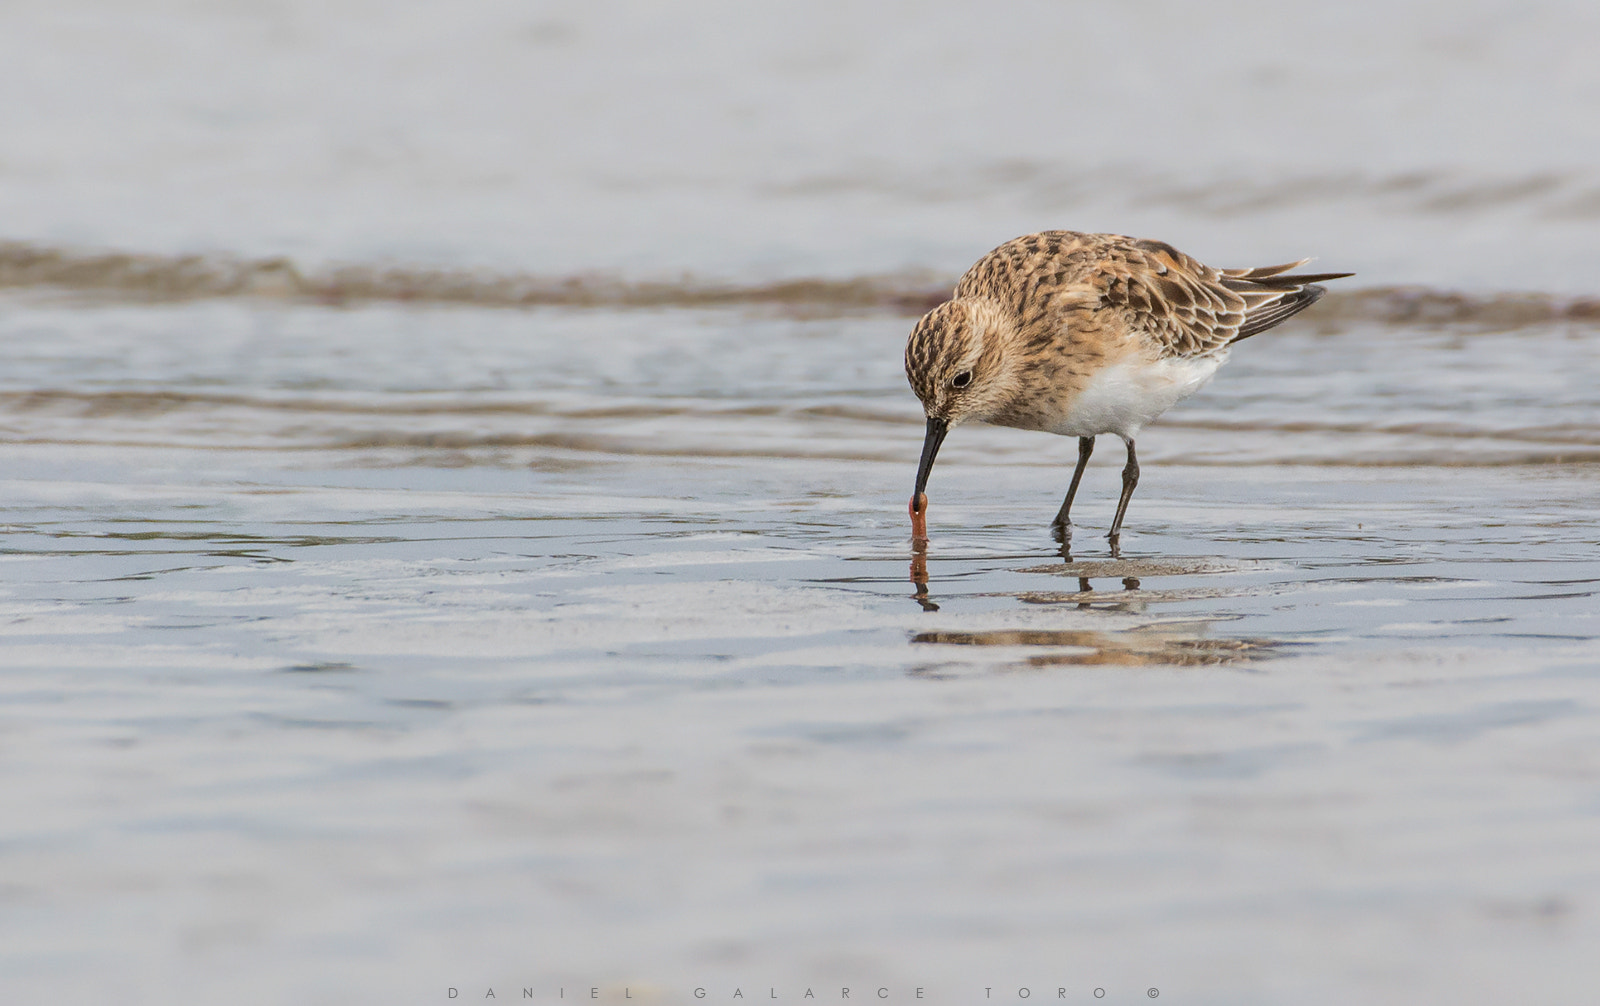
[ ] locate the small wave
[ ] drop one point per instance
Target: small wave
(1413, 459)
(146, 277)
(158, 277)
(1061, 188)
(96, 404)
(1424, 193)
(799, 430)
(1571, 434)
(1408, 305)
(586, 444)
(90, 404)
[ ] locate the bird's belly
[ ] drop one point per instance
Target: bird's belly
(1129, 394)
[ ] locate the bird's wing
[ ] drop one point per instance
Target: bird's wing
(1188, 308)
(1182, 306)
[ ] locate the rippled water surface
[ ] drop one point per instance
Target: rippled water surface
(421, 646)
(453, 538)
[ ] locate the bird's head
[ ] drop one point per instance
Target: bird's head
(954, 360)
(956, 365)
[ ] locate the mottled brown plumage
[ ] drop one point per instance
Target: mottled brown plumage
(1083, 334)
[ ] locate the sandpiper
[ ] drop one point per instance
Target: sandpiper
(1084, 334)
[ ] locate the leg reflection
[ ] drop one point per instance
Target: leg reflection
(919, 576)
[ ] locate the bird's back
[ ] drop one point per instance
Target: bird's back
(1148, 290)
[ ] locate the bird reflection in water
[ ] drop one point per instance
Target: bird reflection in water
(1139, 647)
(919, 576)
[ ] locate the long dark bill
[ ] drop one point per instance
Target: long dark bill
(937, 428)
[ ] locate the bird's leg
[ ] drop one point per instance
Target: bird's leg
(1130, 478)
(1062, 524)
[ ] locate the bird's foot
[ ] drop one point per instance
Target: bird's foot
(1062, 533)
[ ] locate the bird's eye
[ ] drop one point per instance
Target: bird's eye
(961, 380)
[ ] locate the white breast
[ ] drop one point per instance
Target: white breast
(1127, 395)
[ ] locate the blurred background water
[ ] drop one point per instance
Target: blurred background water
(454, 460)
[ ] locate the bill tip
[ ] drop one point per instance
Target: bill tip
(919, 519)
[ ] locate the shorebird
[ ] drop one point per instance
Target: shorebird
(1084, 334)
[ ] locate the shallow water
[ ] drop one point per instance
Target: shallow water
(427, 648)
(410, 581)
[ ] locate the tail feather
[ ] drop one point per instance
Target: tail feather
(1255, 284)
(1262, 271)
(1290, 304)
(1271, 297)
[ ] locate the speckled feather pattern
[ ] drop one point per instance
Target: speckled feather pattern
(1041, 317)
